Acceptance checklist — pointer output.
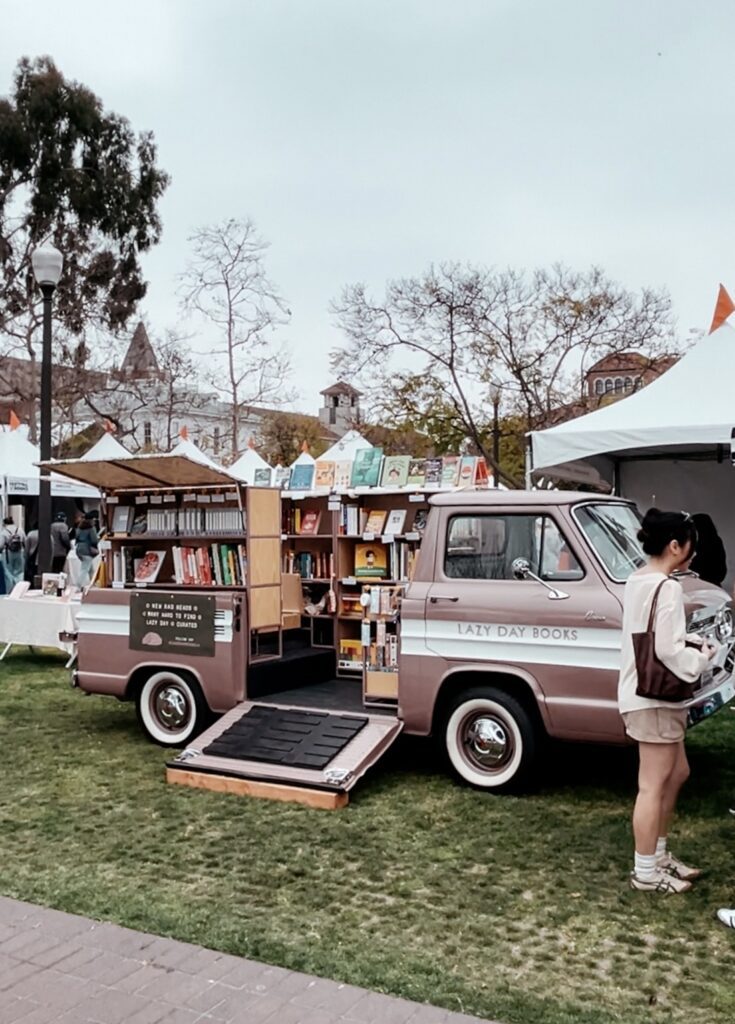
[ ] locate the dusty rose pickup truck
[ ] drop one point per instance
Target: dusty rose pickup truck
(509, 633)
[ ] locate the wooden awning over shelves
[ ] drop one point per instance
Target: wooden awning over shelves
(142, 472)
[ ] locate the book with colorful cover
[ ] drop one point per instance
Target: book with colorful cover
(433, 471)
(395, 471)
(366, 467)
(262, 477)
(302, 476)
(343, 474)
(396, 520)
(310, 522)
(371, 560)
(375, 521)
(481, 476)
(450, 470)
(416, 473)
(324, 475)
(149, 566)
(467, 470)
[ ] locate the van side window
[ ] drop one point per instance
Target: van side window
(484, 547)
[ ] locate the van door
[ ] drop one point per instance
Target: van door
(563, 637)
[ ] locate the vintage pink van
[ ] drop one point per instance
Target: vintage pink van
(509, 633)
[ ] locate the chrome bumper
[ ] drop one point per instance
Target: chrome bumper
(711, 698)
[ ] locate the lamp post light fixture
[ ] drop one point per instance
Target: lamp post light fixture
(495, 399)
(47, 264)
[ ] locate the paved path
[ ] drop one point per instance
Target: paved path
(70, 970)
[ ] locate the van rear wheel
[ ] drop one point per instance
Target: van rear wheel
(490, 740)
(171, 708)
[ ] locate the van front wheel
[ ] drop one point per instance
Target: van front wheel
(490, 740)
(171, 708)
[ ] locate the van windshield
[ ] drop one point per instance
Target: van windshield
(612, 531)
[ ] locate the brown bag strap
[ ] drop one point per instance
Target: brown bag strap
(654, 604)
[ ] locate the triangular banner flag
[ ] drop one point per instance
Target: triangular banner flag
(14, 421)
(184, 433)
(305, 446)
(725, 306)
(110, 427)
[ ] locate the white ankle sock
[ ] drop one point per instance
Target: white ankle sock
(661, 846)
(645, 866)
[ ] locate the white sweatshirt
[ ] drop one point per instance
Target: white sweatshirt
(670, 628)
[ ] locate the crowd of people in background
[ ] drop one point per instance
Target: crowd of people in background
(19, 550)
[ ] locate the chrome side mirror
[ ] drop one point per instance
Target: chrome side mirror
(522, 571)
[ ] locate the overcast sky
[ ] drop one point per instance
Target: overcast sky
(368, 138)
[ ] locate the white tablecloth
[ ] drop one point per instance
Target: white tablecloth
(37, 621)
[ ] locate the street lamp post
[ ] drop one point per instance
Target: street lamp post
(495, 399)
(47, 263)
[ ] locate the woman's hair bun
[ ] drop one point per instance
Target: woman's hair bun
(659, 528)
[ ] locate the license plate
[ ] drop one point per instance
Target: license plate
(716, 700)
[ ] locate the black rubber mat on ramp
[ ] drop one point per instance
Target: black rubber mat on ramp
(303, 739)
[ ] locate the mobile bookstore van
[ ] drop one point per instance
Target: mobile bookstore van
(491, 621)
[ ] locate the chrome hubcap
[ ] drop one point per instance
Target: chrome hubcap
(486, 742)
(171, 707)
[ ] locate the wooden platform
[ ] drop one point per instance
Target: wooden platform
(316, 798)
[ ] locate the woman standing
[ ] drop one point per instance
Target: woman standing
(669, 539)
(87, 550)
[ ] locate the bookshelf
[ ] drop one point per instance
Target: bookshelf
(378, 534)
(379, 638)
(307, 551)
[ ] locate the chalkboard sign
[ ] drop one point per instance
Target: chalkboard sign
(172, 623)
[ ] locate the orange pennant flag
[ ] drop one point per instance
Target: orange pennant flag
(14, 421)
(110, 427)
(305, 446)
(725, 306)
(251, 442)
(184, 433)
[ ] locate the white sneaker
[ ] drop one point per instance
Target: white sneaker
(727, 917)
(677, 868)
(661, 882)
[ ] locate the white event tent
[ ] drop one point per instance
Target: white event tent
(107, 447)
(244, 467)
(19, 474)
(666, 445)
(187, 447)
(346, 448)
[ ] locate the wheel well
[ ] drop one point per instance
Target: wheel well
(140, 675)
(458, 682)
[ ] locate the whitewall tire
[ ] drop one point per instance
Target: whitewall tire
(171, 708)
(490, 740)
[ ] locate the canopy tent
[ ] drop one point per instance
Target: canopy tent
(666, 445)
(244, 468)
(346, 448)
(20, 474)
(143, 471)
(689, 409)
(106, 448)
(187, 447)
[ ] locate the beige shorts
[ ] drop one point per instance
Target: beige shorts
(656, 725)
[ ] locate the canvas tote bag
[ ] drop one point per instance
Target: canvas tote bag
(655, 680)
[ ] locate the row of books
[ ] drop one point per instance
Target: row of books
(355, 521)
(383, 652)
(309, 565)
(223, 565)
(301, 521)
(371, 468)
(181, 522)
(382, 600)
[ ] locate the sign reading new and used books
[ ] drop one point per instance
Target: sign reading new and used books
(178, 623)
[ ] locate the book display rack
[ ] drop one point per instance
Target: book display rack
(379, 641)
(336, 544)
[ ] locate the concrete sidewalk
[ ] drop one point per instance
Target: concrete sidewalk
(62, 968)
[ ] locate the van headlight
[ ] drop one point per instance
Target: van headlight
(724, 624)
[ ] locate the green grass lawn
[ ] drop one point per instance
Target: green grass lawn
(509, 908)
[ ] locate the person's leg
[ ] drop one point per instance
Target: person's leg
(656, 765)
(677, 778)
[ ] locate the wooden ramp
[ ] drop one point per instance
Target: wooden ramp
(263, 790)
(281, 752)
